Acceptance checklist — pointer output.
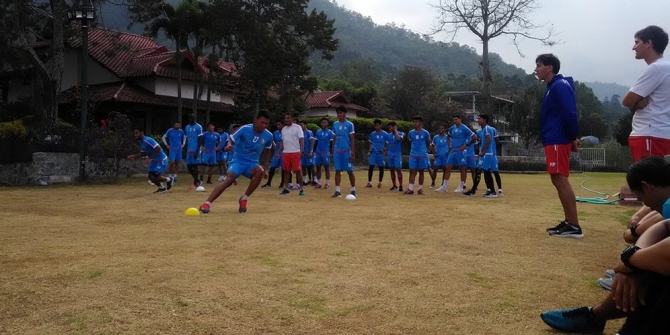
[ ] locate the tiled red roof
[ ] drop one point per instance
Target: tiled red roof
(122, 92)
(330, 99)
(131, 55)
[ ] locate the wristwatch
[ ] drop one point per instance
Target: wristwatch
(626, 254)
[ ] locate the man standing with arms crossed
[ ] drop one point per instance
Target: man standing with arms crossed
(559, 128)
(324, 149)
(343, 150)
(174, 139)
(292, 146)
(377, 151)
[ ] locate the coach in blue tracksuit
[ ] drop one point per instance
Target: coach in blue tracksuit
(559, 130)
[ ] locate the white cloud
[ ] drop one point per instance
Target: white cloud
(596, 35)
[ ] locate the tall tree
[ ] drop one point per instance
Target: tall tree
(487, 20)
(524, 117)
(22, 23)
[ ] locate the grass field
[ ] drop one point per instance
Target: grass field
(116, 259)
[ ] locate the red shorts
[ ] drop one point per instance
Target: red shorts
(558, 158)
(643, 146)
(291, 161)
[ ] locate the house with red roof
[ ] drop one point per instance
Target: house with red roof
(324, 104)
(134, 75)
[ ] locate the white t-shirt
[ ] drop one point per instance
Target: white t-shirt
(654, 84)
(291, 136)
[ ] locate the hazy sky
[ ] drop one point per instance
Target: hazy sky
(596, 35)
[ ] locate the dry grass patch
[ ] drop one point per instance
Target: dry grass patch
(117, 259)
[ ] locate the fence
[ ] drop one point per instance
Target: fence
(590, 158)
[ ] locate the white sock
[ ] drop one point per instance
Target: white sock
(421, 186)
(500, 190)
(411, 187)
(462, 184)
(353, 189)
(327, 181)
(444, 183)
(244, 197)
(337, 188)
(316, 180)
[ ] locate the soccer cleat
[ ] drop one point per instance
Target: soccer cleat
(500, 193)
(160, 190)
(353, 193)
(400, 189)
(610, 273)
(266, 186)
(409, 192)
(420, 191)
(284, 192)
(606, 283)
(204, 209)
(432, 185)
(222, 178)
(441, 189)
(368, 185)
(489, 194)
(470, 193)
(558, 227)
(169, 183)
(302, 192)
(209, 181)
(379, 185)
(326, 186)
(317, 185)
(568, 231)
(459, 190)
(393, 188)
(243, 205)
(337, 194)
(576, 320)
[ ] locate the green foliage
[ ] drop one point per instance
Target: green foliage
(524, 117)
(313, 127)
(623, 128)
(364, 126)
(13, 130)
(110, 143)
(591, 112)
(617, 155)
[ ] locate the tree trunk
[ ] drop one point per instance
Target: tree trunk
(486, 70)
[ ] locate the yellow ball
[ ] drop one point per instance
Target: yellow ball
(192, 212)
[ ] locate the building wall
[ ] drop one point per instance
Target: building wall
(168, 87)
(97, 74)
(321, 112)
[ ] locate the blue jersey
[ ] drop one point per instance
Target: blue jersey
(459, 136)
(491, 146)
(276, 137)
(323, 139)
(418, 141)
(209, 142)
(378, 141)
(441, 144)
(174, 138)
(494, 140)
(149, 145)
(193, 132)
(308, 136)
(395, 145)
(342, 132)
(224, 139)
(249, 144)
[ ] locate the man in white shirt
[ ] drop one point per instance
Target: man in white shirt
(292, 146)
(649, 98)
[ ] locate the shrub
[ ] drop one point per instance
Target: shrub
(13, 130)
(108, 144)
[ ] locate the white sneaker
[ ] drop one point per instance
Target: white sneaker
(441, 189)
(500, 193)
(459, 190)
(222, 178)
(150, 182)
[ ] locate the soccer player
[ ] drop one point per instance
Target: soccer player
(494, 161)
(292, 146)
(649, 98)
(156, 158)
(394, 154)
(222, 155)
(250, 140)
(193, 142)
(470, 160)
(211, 141)
(307, 159)
(276, 156)
(324, 150)
(440, 146)
(460, 137)
(175, 139)
(344, 150)
(486, 154)
(559, 128)
(377, 151)
(419, 139)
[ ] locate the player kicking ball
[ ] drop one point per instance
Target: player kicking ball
(250, 140)
(157, 160)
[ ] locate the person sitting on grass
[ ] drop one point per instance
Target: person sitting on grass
(641, 287)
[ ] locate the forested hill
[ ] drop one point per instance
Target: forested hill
(607, 90)
(389, 47)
